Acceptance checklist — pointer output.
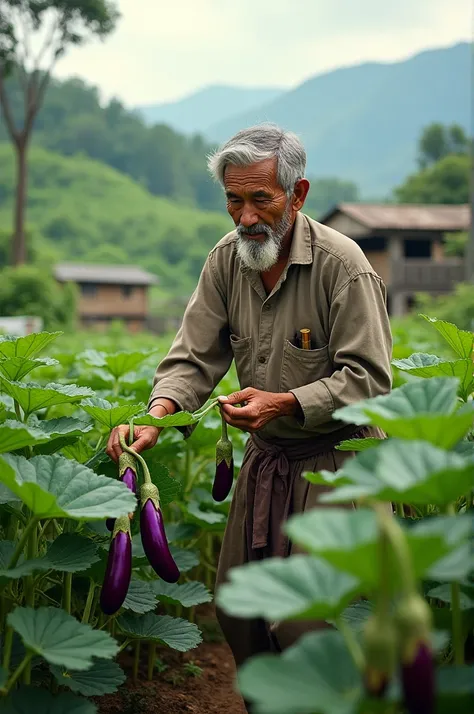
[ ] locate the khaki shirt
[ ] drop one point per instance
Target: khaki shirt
(327, 286)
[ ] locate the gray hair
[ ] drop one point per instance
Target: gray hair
(264, 141)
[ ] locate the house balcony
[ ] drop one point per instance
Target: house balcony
(424, 275)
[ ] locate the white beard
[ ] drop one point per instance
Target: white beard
(262, 255)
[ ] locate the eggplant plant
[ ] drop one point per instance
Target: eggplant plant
(77, 586)
(397, 591)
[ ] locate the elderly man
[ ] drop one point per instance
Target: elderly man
(277, 273)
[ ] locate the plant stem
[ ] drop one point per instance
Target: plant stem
(146, 471)
(17, 410)
(352, 645)
(399, 545)
(18, 672)
(458, 639)
(22, 542)
(151, 660)
(32, 554)
(7, 648)
(136, 661)
(123, 645)
(88, 606)
(400, 510)
(224, 426)
(43, 528)
(67, 592)
(456, 612)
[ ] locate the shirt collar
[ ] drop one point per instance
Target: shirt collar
(301, 251)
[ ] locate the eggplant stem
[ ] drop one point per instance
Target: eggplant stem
(140, 459)
(136, 661)
(151, 660)
(88, 606)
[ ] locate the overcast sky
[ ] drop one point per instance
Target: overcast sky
(163, 50)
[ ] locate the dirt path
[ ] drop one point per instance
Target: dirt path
(198, 682)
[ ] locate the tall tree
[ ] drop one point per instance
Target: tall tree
(438, 141)
(34, 34)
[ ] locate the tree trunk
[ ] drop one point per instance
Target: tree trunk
(19, 238)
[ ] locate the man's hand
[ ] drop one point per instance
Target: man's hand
(144, 437)
(259, 408)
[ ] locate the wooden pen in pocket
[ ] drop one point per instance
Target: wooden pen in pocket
(305, 338)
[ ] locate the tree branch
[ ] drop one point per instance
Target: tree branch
(7, 112)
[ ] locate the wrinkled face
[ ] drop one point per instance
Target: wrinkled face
(261, 211)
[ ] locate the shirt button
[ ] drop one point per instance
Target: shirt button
(267, 307)
(262, 359)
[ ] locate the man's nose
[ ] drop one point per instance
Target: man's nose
(248, 217)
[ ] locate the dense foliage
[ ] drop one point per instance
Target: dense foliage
(86, 211)
(399, 592)
(57, 490)
(446, 181)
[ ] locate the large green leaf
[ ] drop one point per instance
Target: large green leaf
(104, 677)
(27, 346)
(455, 690)
(169, 487)
(59, 638)
(403, 472)
(62, 432)
(359, 444)
(56, 487)
(184, 559)
(315, 676)
(459, 562)
(71, 553)
(425, 365)
(32, 397)
(180, 531)
(348, 539)
(23, 568)
(300, 587)
(140, 597)
(178, 419)
(120, 363)
(16, 435)
(421, 397)
(178, 634)
(444, 594)
(33, 699)
(202, 517)
(187, 594)
(108, 414)
(15, 368)
(460, 341)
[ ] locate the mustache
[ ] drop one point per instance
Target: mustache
(254, 230)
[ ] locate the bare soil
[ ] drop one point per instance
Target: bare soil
(180, 688)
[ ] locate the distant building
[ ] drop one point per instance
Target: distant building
(109, 293)
(404, 244)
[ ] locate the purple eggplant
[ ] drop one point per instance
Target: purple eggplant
(119, 568)
(153, 535)
(224, 475)
(127, 474)
(418, 681)
(414, 622)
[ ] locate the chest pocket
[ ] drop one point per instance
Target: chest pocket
(242, 349)
(300, 367)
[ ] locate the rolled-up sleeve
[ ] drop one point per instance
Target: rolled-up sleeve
(201, 353)
(360, 347)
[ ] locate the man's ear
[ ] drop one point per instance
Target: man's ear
(300, 193)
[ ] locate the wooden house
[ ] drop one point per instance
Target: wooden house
(106, 293)
(405, 245)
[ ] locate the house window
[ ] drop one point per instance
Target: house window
(415, 248)
(88, 289)
(127, 291)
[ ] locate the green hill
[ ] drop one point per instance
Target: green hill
(83, 210)
(362, 123)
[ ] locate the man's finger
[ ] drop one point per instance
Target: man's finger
(237, 397)
(116, 448)
(143, 442)
(237, 413)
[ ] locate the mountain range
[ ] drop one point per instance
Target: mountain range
(359, 123)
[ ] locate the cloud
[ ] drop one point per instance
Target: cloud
(162, 50)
